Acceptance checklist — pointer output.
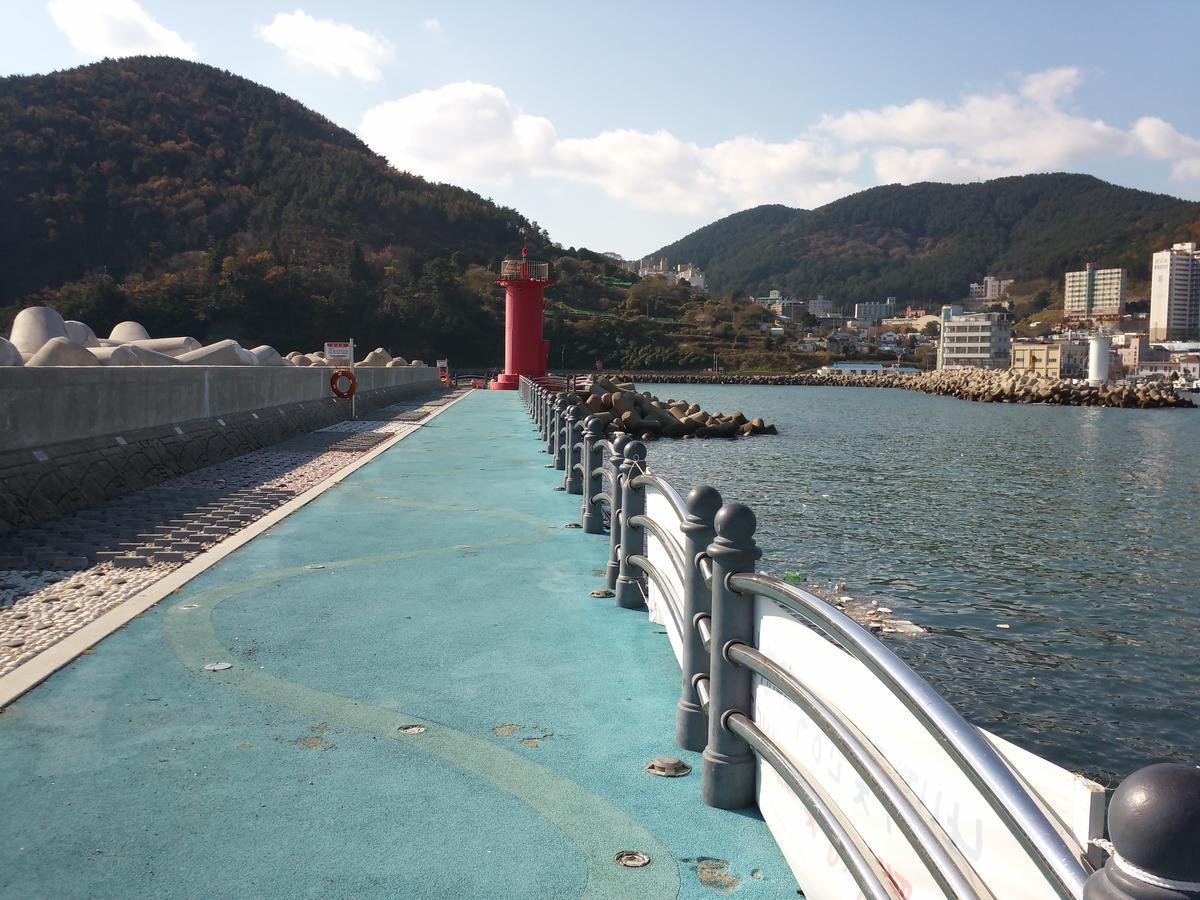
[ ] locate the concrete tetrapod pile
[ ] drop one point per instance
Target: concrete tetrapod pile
(981, 385)
(41, 337)
(622, 409)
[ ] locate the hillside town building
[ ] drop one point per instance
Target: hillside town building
(1095, 294)
(991, 288)
(974, 340)
(1057, 359)
(1175, 294)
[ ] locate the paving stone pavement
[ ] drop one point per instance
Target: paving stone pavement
(58, 577)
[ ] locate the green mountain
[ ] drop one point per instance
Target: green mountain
(929, 241)
(198, 202)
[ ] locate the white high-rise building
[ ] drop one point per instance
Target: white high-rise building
(974, 340)
(876, 310)
(1175, 294)
(1094, 294)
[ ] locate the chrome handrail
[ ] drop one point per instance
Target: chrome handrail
(944, 861)
(674, 604)
(664, 489)
(866, 870)
(664, 538)
(970, 751)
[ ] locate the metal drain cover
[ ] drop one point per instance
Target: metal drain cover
(412, 729)
(218, 667)
(668, 766)
(632, 859)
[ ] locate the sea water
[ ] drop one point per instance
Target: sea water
(1077, 528)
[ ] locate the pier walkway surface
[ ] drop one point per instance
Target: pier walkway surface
(423, 702)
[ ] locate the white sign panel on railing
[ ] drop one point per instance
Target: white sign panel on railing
(339, 351)
(847, 685)
(660, 510)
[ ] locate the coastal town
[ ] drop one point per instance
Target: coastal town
(1101, 334)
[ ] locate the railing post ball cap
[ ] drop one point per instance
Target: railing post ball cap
(593, 426)
(578, 412)
(734, 547)
(703, 502)
(1154, 826)
(619, 443)
(634, 451)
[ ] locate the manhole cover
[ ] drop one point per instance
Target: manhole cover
(218, 667)
(412, 729)
(668, 766)
(632, 859)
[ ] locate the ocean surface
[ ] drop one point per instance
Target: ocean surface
(1078, 528)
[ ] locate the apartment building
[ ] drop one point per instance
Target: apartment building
(974, 340)
(1059, 359)
(1094, 294)
(1175, 294)
(991, 288)
(874, 311)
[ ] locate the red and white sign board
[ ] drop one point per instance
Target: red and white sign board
(847, 685)
(339, 351)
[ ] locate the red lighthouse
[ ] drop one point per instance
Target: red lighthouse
(525, 351)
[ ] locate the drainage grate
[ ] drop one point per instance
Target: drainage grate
(632, 859)
(668, 767)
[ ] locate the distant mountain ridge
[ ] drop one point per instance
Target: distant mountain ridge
(929, 241)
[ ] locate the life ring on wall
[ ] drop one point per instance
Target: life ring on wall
(335, 384)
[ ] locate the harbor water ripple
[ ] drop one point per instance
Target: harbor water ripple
(1074, 527)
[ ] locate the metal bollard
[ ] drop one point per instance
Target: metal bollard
(630, 580)
(573, 478)
(691, 722)
(728, 769)
(615, 459)
(1154, 826)
(590, 515)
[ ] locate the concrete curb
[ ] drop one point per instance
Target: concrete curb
(41, 667)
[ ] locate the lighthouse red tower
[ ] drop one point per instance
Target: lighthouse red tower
(525, 351)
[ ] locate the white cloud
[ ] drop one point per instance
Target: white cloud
(981, 135)
(472, 134)
(432, 25)
(116, 28)
(333, 47)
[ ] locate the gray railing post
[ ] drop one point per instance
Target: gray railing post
(572, 480)
(615, 459)
(630, 580)
(590, 516)
(562, 451)
(544, 406)
(1154, 826)
(691, 722)
(557, 403)
(728, 769)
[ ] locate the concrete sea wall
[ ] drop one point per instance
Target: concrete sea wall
(74, 437)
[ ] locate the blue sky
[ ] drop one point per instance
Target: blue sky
(623, 126)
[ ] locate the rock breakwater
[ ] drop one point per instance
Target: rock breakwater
(622, 409)
(980, 385)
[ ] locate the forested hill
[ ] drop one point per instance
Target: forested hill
(929, 241)
(199, 202)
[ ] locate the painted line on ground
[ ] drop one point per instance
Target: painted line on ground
(45, 664)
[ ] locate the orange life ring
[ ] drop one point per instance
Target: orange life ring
(336, 377)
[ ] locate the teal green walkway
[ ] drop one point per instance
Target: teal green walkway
(434, 587)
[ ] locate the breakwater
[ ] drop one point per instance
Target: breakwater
(980, 385)
(621, 409)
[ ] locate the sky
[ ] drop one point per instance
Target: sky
(625, 126)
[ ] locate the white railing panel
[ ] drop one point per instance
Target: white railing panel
(847, 685)
(658, 509)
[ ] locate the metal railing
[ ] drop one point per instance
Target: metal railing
(707, 585)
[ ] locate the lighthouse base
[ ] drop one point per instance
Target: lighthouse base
(505, 382)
